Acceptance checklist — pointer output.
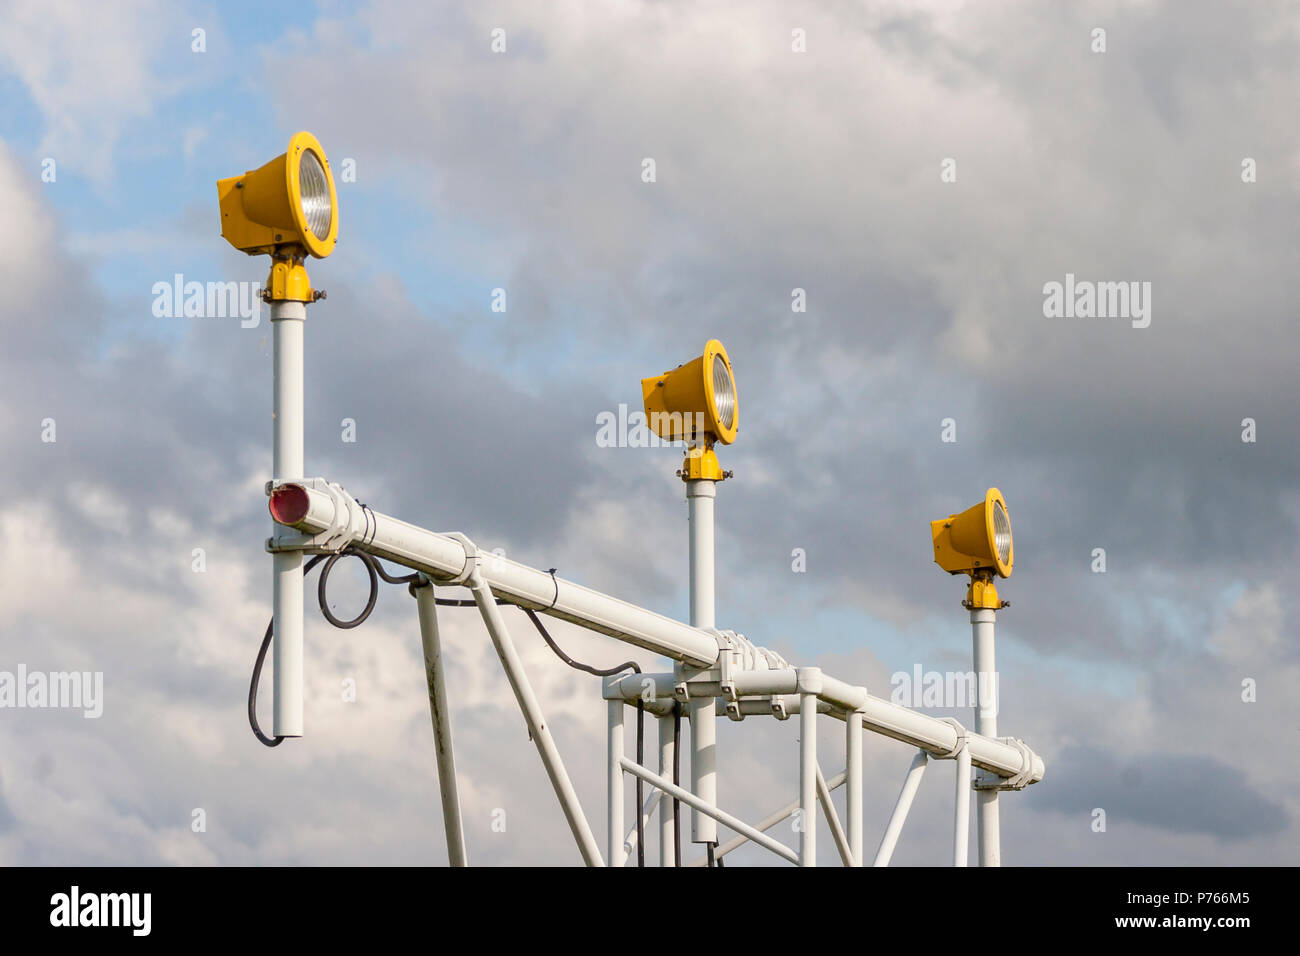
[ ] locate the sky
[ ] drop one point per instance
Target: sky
(914, 175)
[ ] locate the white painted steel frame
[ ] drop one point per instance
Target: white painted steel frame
(452, 559)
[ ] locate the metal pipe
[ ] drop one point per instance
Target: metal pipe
(838, 699)
(534, 717)
(986, 724)
(287, 321)
(853, 776)
(614, 788)
(700, 495)
(440, 713)
(667, 848)
(695, 803)
(904, 804)
(961, 834)
(441, 557)
(808, 774)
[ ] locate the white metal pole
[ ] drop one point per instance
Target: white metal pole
(427, 605)
(808, 779)
(614, 788)
(986, 724)
(904, 804)
(853, 788)
(961, 834)
(287, 321)
(700, 495)
(667, 844)
(535, 719)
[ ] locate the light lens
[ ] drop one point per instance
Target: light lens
(289, 504)
(314, 188)
(1001, 532)
(724, 393)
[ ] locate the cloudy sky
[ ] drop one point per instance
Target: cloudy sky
(920, 170)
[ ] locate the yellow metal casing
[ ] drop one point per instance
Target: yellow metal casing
(683, 405)
(262, 211)
(967, 543)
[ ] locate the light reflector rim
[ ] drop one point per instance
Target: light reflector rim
(994, 500)
(316, 246)
(723, 432)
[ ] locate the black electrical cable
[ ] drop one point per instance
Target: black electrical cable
(257, 672)
(587, 668)
(252, 691)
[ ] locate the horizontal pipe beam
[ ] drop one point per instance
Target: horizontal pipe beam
(932, 734)
(442, 556)
(446, 557)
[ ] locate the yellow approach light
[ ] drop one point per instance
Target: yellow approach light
(696, 403)
(287, 209)
(977, 542)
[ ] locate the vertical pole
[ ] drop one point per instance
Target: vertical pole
(667, 845)
(700, 495)
(614, 790)
(986, 723)
(534, 718)
(427, 604)
(287, 321)
(961, 832)
(853, 782)
(808, 779)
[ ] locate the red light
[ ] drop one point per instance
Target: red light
(289, 504)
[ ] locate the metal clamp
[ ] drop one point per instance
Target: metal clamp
(472, 560)
(1017, 781)
(963, 736)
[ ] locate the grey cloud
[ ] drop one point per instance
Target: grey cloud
(1184, 793)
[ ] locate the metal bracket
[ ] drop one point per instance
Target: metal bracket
(472, 560)
(991, 781)
(963, 736)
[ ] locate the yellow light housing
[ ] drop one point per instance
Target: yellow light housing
(695, 402)
(976, 540)
(286, 208)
